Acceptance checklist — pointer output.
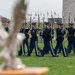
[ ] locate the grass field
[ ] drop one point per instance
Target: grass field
(58, 65)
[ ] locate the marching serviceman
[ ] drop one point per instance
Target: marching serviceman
(33, 40)
(47, 44)
(59, 50)
(24, 30)
(26, 39)
(60, 32)
(70, 38)
(22, 49)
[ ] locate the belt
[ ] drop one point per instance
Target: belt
(70, 35)
(60, 36)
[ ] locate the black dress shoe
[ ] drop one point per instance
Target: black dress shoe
(66, 56)
(55, 56)
(40, 55)
(28, 55)
(59, 52)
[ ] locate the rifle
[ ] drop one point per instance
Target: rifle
(69, 18)
(74, 21)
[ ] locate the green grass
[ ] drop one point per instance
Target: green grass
(58, 65)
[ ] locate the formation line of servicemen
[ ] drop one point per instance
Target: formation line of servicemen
(47, 33)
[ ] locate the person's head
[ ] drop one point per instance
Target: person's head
(46, 24)
(25, 23)
(34, 24)
(71, 24)
(60, 25)
(50, 25)
(8, 22)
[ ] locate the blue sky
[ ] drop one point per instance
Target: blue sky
(42, 6)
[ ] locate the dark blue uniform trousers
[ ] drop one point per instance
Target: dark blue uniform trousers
(33, 45)
(71, 49)
(59, 45)
(59, 50)
(70, 45)
(47, 47)
(22, 47)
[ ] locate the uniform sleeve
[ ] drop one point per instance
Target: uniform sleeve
(52, 31)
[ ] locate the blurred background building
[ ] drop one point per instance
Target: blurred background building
(55, 20)
(68, 11)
